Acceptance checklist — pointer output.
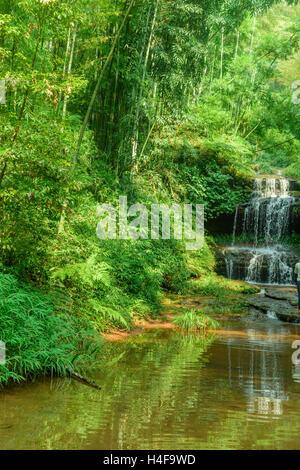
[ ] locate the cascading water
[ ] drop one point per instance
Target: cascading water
(263, 223)
(266, 216)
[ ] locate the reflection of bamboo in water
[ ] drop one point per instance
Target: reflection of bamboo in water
(69, 429)
(155, 392)
(185, 349)
(262, 366)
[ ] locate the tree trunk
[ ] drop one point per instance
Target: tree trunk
(69, 73)
(237, 44)
(253, 33)
(138, 108)
(222, 54)
(65, 63)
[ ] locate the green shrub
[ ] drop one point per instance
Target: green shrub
(195, 320)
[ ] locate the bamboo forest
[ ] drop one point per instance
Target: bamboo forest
(150, 225)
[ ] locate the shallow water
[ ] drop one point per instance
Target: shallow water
(167, 390)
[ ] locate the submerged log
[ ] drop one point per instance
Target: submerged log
(74, 375)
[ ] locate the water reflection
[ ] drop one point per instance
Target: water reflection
(167, 390)
(265, 406)
(296, 373)
(262, 367)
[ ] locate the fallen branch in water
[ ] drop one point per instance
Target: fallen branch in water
(80, 378)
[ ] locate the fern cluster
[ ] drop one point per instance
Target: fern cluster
(121, 279)
(39, 340)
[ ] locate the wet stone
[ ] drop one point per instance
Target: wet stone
(282, 308)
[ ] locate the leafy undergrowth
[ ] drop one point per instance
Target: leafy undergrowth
(195, 320)
(226, 297)
(38, 340)
(119, 279)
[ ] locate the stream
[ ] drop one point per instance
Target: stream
(168, 390)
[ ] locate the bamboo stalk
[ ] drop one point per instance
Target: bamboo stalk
(89, 110)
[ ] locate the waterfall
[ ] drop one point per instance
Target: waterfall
(254, 267)
(276, 267)
(267, 214)
(229, 267)
(263, 221)
(278, 213)
(270, 188)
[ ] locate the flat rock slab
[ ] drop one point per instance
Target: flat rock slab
(282, 308)
(288, 294)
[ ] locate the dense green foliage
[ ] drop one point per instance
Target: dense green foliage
(36, 340)
(133, 98)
